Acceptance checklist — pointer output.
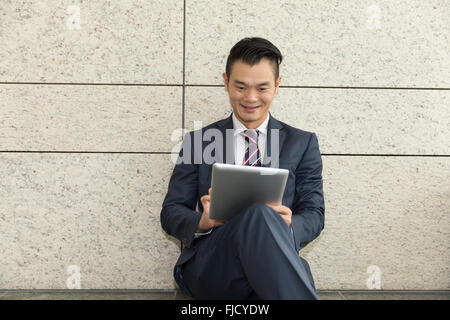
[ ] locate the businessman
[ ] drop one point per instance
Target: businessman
(254, 255)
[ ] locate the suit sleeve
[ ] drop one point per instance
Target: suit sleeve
(178, 215)
(308, 214)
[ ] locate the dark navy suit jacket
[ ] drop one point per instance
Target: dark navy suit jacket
(191, 179)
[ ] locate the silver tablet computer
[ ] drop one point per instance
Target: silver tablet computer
(236, 187)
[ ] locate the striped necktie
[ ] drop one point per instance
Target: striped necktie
(251, 157)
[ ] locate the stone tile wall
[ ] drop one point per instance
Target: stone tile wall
(93, 94)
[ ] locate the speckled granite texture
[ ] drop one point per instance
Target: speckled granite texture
(89, 118)
(92, 101)
(358, 121)
(388, 212)
(327, 43)
(128, 41)
(96, 211)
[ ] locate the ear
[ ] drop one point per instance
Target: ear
(225, 80)
(277, 84)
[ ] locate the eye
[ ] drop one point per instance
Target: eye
(262, 89)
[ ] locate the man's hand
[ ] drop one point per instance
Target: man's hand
(283, 211)
(206, 222)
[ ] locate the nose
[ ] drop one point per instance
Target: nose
(251, 96)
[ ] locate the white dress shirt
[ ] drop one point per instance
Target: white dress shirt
(239, 141)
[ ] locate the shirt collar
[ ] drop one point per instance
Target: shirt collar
(239, 127)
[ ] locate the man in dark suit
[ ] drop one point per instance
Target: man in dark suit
(254, 254)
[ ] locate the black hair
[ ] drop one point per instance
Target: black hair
(251, 51)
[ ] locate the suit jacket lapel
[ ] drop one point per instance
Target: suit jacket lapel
(273, 145)
(226, 128)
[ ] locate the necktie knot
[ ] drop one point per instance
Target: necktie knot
(251, 135)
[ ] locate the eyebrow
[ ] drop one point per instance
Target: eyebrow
(258, 85)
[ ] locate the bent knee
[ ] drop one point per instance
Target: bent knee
(259, 211)
(260, 207)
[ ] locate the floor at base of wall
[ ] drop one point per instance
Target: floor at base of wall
(177, 295)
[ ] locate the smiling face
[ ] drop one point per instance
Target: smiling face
(251, 90)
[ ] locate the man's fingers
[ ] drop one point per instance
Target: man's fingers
(218, 223)
(278, 207)
(273, 205)
(205, 198)
(285, 211)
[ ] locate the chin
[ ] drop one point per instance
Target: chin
(249, 118)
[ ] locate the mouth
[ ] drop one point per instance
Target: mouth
(250, 108)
